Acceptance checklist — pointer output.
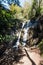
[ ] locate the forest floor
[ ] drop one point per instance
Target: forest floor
(26, 56)
(30, 56)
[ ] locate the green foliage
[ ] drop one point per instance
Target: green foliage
(7, 22)
(5, 18)
(41, 46)
(26, 10)
(15, 10)
(36, 8)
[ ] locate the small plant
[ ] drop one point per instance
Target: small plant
(41, 46)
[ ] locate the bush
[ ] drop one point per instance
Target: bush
(41, 46)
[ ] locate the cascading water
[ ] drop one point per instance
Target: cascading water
(25, 36)
(25, 27)
(19, 34)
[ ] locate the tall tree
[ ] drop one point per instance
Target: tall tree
(36, 8)
(26, 10)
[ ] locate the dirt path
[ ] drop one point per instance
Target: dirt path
(30, 58)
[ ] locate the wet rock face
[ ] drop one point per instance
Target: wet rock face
(32, 37)
(35, 34)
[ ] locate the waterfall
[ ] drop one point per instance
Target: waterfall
(19, 34)
(25, 36)
(25, 28)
